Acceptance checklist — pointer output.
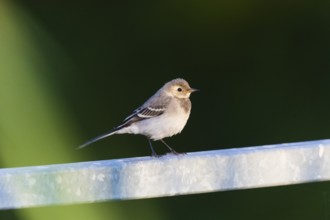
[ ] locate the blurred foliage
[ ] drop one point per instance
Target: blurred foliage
(70, 71)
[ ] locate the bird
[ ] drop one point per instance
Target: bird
(163, 115)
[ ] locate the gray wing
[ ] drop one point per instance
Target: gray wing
(139, 114)
(153, 107)
(142, 114)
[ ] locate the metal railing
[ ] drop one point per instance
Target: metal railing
(145, 177)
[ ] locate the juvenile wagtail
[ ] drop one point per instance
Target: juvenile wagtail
(163, 115)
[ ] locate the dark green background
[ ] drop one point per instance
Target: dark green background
(263, 68)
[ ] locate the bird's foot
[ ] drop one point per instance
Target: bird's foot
(155, 155)
(178, 153)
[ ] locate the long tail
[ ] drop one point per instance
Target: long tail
(113, 131)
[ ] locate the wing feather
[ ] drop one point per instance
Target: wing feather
(142, 114)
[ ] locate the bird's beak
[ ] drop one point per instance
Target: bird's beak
(193, 90)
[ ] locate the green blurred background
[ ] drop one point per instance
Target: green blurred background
(72, 70)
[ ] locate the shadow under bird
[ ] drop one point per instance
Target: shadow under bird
(163, 115)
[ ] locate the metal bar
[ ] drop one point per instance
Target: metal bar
(145, 177)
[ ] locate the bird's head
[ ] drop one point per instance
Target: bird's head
(179, 88)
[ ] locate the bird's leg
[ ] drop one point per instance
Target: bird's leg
(153, 152)
(171, 149)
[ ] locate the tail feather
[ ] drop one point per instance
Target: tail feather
(113, 131)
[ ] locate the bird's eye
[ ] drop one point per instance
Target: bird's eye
(179, 89)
